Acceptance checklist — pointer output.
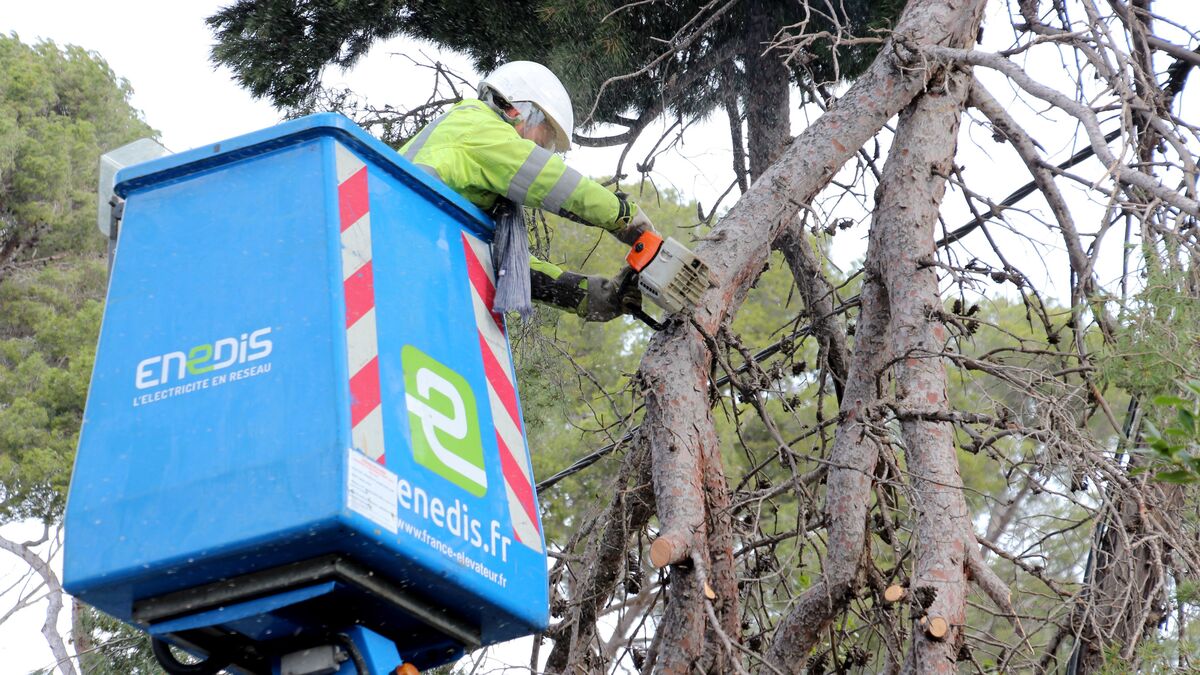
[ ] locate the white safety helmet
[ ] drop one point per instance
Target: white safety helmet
(519, 81)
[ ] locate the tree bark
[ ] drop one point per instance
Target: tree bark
(628, 513)
(768, 122)
(737, 248)
(681, 449)
(900, 290)
(1081, 265)
(722, 574)
(848, 487)
(767, 104)
(913, 185)
(1127, 594)
(818, 296)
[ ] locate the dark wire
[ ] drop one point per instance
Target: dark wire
(171, 664)
(1019, 194)
(360, 664)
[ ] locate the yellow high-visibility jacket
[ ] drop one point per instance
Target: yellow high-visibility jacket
(481, 157)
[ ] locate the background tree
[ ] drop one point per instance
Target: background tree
(60, 109)
(609, 54)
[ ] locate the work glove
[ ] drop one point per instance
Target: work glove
(639, 223)
(627, 287)
(608, 299)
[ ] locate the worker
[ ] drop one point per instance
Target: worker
(498, 151)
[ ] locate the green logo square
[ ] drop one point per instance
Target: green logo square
(444, 421)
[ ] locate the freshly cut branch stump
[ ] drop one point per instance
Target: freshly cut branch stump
(935, 627)
(895, 593)
(666, 550)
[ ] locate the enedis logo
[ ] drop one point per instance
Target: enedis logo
(444, 421)
(203, 359)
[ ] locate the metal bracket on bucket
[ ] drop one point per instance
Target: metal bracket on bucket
(228, 618)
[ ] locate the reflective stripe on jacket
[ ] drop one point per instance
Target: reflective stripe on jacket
(479, 155)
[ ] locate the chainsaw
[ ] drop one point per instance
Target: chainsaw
(668, 273)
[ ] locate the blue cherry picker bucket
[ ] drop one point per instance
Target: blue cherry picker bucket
(303, 415)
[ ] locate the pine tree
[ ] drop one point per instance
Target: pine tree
(60, 109)
(682, 57)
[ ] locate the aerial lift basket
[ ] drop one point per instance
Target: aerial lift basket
(303, 423)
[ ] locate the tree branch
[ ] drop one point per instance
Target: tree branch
(1087, 117)
(54, 605)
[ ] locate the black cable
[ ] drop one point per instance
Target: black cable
(360, 664)
(211, 665)
(1020, 193)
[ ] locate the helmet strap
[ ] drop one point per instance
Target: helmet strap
(502, 107)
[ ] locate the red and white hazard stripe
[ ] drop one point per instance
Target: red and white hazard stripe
(502, 394)
(358, 287)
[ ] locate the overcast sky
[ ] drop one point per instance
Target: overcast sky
(162, 48)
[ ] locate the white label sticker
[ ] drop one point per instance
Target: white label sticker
(371, 490)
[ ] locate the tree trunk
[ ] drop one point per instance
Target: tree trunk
(818, 296)
(722, 574)
(768, 123)
(767, 105)
(896, 324)
(54, 603)
(913, 185)
(681, 447)
(628, 513)
(848, 487)
(1127, 594)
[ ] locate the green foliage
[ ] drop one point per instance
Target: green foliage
(1159, 340)
(111, 647)
(120, 649)
(60, 109)
(1156, 655)
(49, 322)
(1187, 592)
(1155, 356)
(1176, 447)
(277, 48)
